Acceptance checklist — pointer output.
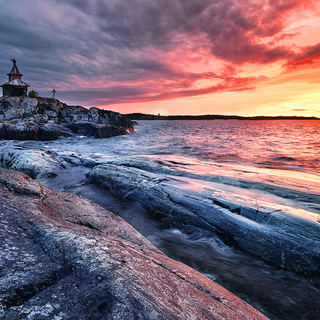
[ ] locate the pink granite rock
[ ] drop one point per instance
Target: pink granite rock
(64, 257)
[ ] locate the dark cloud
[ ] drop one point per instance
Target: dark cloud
(137, 50)
(309, 55)
(227, 27)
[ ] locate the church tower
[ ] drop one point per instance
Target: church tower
(15, 86)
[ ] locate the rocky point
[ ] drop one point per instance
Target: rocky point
(44, 119)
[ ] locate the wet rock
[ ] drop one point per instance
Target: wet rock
(33, 131)
(96, 130)
(302, 187)
(284, 236)
(63, 257)
(35, 163)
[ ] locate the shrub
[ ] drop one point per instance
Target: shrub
(33, 94)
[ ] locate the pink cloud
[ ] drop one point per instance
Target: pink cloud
(309, 55)
(120, 51)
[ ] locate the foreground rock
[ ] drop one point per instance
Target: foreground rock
(48, 119)
(284, 236)
(63, 257)
(35, 163)
(263, 221)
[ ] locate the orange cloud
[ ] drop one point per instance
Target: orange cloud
(119, 52)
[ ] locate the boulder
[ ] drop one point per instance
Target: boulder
(52, 132)
(70, 114)
(109, 117)
(63, 257)
(79, 119)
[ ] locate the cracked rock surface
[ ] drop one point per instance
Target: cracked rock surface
(33, 162)
(268, 214)
(285, 236)
(64, 257)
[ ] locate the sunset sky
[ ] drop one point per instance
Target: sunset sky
(243, 57)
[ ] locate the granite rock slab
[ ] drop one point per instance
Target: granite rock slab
(284, 236)
(64, 257)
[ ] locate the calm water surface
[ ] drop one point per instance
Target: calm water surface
(290, 145)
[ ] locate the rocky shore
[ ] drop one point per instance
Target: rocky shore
(64, 257)
(284, 236)
(55, 241)
(23, 118)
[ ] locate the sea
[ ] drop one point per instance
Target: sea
(289, 147)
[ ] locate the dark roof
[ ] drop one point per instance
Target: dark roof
(16, 82)
(14, 69)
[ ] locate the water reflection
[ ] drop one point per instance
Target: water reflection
(285, 144)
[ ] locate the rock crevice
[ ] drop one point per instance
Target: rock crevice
(276, 233)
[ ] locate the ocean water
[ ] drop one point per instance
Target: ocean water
(286, 144)
(288, 150)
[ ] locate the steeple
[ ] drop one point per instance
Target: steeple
(15, 86)
(14, 73)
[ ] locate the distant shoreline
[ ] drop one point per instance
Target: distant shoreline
(143, 116)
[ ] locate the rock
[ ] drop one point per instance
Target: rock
(96, 130)
(63, 257)
(95, 122)
(284, 236)
(15, 107)
(70, 114)
(109, 117)
(35, 163)
(135, 123)
(52, 132)
(49, 119)
(33, 131)
(299, 186)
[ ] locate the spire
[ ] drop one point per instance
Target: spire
(14, 70)
(15, 86)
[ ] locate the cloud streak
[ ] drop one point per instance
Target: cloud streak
(106, 52)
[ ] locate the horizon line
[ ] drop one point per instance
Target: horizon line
(139, 114)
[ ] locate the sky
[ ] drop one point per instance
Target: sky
(231, 57)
